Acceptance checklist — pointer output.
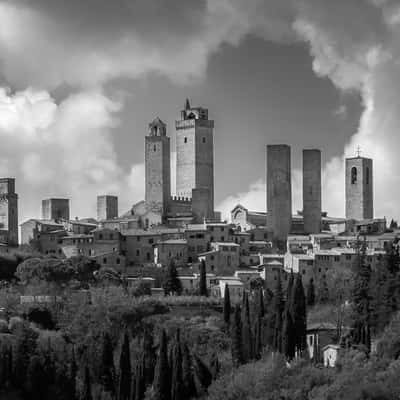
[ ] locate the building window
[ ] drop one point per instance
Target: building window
(212, 258)
(155, 148)
(185, 140)
(100, 237)
(367, 176)
(204, 139)
(151, 241)
(104, 260)
(118, 261)
(138, 253)
(148, 256)
(353, 175)
(138, 238)
(304, 271)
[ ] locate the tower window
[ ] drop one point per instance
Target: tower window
(204, 139)
(185, 140)
(155, 148)
(353, 175)
(367, 176)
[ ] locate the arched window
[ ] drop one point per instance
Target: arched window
(367, 176)
(185, 140)
(353, 175)
(155, 148)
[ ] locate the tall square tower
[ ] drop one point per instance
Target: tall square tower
(194, 152)
(8, 212)
(158, 166)
(279, 191)
(312, 190)
(55, 209)
(359, 188)
(107, 207)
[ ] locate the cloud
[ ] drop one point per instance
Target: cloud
(63, 149)
(48, 43)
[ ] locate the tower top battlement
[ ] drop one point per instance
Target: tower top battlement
(193, 112)
(157, 128)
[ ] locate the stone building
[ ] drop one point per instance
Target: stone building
(195, 154)
(158, 167)
(55, 209)
(359, 188)
(279, 191)
(107, 207)
(8, 212)
(312, 190)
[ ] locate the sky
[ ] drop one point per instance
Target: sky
(81, 80)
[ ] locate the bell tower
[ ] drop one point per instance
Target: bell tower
(158, 167)
(359, 188)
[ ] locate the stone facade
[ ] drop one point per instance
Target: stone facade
(158, 166)
(55, 209)
(8, 212)
(279, 191)
(359, 188)
(312, 190)
(194, 153)
(107, 207)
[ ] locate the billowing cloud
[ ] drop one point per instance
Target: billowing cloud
(63, 150)
(48, 43)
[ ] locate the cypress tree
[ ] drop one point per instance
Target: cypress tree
(177, 389)
(278, 308)
(139, 381)
(73, 372)
(187, 374)
(203, 279)
(288, 335)
(124, 386)
(150, 357)
(237, 346)
(260, 301)
(298, 314)
(162, 384)
(172, 285)
(246, 330)
(361, 299)
(107, 369)
(311, 293)
(87, 386)
(258, 338)
(289, 288)
(214, 366)
(227, 306)
(202, 376)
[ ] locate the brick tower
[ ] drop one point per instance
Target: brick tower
(359, 188)
(158, 166)
(195, 153)
(8, 212)
(279, 191)
(312, 190)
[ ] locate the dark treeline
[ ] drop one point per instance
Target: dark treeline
(277, 321)
(168, 371)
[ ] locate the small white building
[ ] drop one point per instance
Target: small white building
(330, 354)
(236, 289)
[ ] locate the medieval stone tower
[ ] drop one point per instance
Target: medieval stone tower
(158, 166)
(312, 190)
(8, 212)
(195, 153)
(359, 188)
(279, 191)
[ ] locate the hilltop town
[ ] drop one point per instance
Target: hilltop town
(185, 229)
